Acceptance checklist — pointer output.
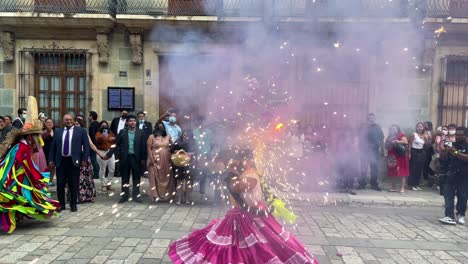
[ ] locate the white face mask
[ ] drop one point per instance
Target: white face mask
(452, 132)
(445, 132)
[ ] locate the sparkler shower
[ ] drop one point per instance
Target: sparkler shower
(260, 82)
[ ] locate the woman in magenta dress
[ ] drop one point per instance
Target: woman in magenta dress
(397, 164)
(246, 234)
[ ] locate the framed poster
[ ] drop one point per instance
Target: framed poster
(120, 98)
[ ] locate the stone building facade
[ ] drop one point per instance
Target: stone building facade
(70, 55)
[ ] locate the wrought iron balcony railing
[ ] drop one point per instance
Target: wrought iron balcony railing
(246, 8)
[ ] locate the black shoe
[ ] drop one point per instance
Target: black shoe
(352, 192)
(376, 188)
(74, 209)
(61, 208)
(137, 199)
(123, 199)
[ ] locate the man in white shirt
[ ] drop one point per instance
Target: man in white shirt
(69, 151)
(118, 123)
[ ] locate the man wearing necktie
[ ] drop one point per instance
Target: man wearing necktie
(69, 151)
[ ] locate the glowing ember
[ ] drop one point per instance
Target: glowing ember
(279, 126)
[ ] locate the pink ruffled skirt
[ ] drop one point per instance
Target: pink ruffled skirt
(240, 237)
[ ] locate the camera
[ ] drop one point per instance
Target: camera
(448, 144)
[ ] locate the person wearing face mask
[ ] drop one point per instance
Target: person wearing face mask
(104, 140)
(169, 120)
(19, 120)
(454, 182)
(119, 123)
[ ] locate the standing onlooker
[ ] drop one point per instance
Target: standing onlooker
(69, 152)
(454, 182)
(104, 141)
(19, 120)
(93, 129)
(161, 180)
(309, 139)
(48, 137)
(42, 117)
(86, 188)
(4, 130)
(8, 121)
(131, 153)
(203, 139)
(371, 147)
(119, 123)
(172, 128)
(347, 161)
(295, 147)
(428, 149)
(147, 129)
(144, 125)
(182, 174)
(417, 156)
(39, 156)
(440, 139)
(397, 160)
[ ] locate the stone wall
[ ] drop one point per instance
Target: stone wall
(7, 87)
(102, 75)
(108, 74)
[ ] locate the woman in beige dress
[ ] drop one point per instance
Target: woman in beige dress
(161, 179)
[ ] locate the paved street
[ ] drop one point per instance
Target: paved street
(106, 232)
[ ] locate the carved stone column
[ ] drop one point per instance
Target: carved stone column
(103, 47)
(428, 54)
(7, 42)
(137, 48)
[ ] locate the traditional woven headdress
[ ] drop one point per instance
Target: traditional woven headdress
(32, 124)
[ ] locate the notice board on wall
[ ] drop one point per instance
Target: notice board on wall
(120, 98)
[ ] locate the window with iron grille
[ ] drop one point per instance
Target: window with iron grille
(453, 92)
(58, 78)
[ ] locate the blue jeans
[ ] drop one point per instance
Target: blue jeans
(455, 185)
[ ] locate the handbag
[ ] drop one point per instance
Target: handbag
(181, 158)
(400, 149)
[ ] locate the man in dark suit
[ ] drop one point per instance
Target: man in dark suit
(19, 120)
(147, 129)
(144, 125)
(119, 123)
(130, 150)
(69, 151)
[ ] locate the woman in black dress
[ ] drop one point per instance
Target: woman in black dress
(48, 137)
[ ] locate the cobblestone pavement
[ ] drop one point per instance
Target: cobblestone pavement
(107, 232)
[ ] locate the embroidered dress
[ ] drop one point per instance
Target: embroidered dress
(241, 237)
(23, 189)
(86, 189)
